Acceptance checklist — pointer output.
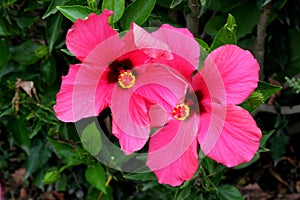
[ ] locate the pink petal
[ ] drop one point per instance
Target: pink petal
(180, 42)
(85, 35)
(131, 123)
(232, 69)
(77, 97)
(238, 140)
(173, 151)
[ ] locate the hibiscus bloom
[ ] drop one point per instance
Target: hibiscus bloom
(226, 132)
(116, 67)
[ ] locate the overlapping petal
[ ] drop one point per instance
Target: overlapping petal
(130, 107)
(172, 154)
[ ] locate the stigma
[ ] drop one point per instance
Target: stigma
(181, 111)
(126, 79)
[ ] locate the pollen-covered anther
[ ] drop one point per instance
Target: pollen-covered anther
(126, 79)
(181, 111)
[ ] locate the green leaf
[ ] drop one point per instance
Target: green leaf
(118, 6)
(247, 16)
(3, 29)
(4, 55)
(75, 12)
(175, 3)
(278, 144)
(226, 35)
(225, 6)
(259, 96)
(138, 12)
(141, 176)
(229, 192)
(51, 177)
(29, 53)
(91, 139)
(96, 177)
(183, 194)
(52, 7)
(48, 70)
(19, 132)
(203, 52)
(53, 30)
(293, 66)
(37, 158)
(65, 152)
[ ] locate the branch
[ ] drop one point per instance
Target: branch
(192, 18)
(259, 46)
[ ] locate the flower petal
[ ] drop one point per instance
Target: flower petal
(238, 140)
(173, 151)
(85, 35)
(77, 96)
(233, 69)
(188, 48)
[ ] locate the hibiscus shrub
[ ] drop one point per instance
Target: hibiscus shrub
(139, 99)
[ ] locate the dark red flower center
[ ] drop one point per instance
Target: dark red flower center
(116, 67)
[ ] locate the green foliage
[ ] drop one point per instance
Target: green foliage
(91, 139)
(138, 12)
(259, 96)
(118, 6)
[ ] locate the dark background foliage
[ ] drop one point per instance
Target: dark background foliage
(43, 158)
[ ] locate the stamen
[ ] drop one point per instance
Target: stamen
(126, 79)
(181, 111)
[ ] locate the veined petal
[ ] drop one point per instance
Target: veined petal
(173, 151)
(181, 42)
(77, 96)
(85, 35)
(238, 140)
(232, 69)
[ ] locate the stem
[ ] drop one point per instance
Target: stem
(106, 184)
(259, 45)
(192, 20)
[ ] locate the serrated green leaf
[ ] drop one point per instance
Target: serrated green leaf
(4, 55)
(48, 70)
(141, 176)
(138, 12)
(91, 139)
(95, 175)
(53, 30)
(259, 96)
(226, 35)
(19, 132)
(75, 12)
(229, 192)
(118, 6)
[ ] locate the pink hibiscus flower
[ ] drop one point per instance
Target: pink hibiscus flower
(226, 132)
(115, 71)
